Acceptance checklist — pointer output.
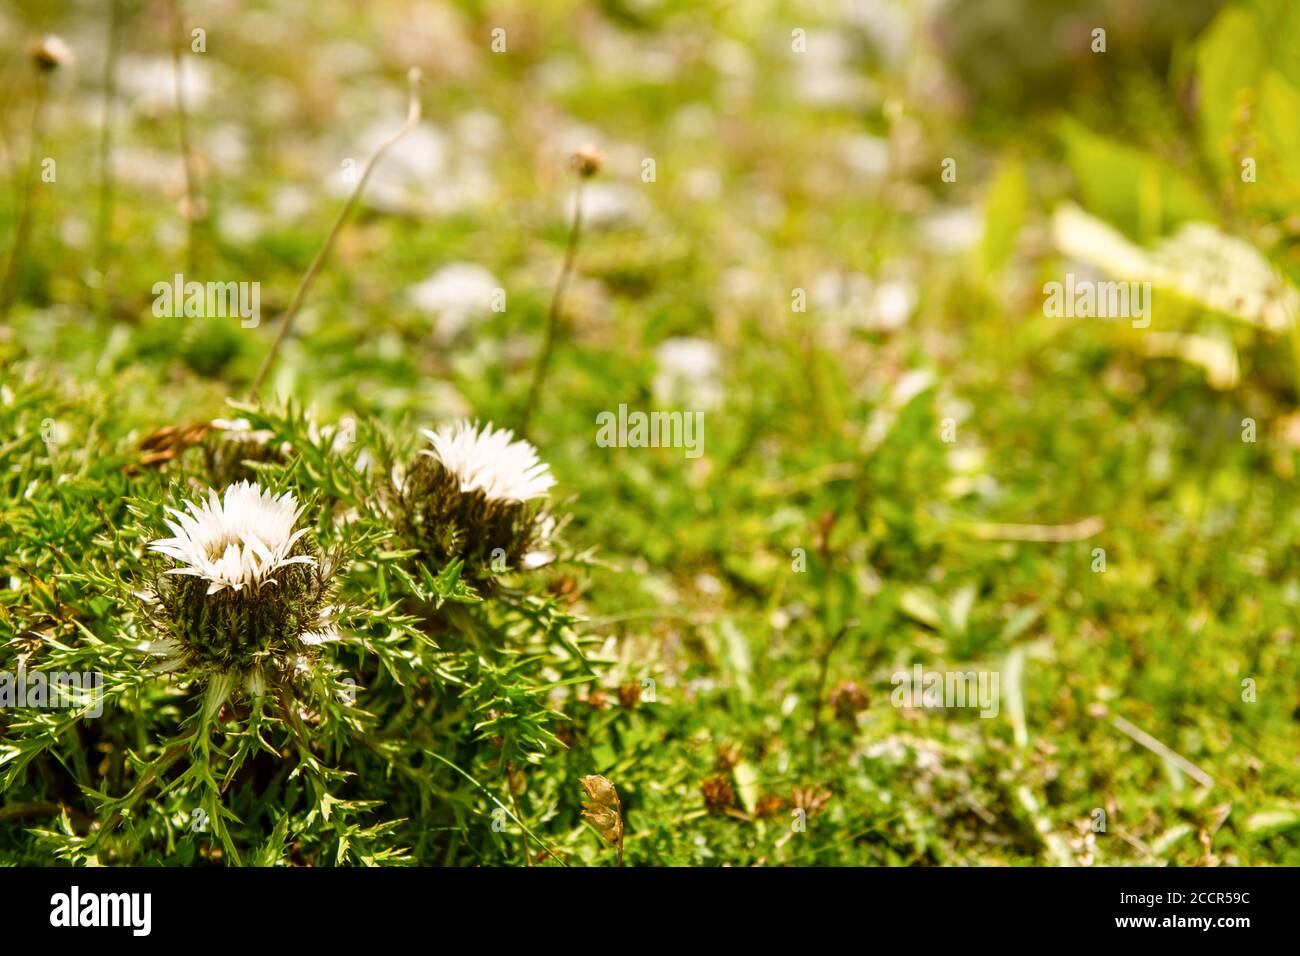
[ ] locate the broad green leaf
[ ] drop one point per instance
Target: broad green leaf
(1140, 193)
(1004, 214)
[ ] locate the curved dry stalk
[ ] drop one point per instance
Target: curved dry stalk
(191, 198)
(103, 235)
(412, 117)
(553, 313)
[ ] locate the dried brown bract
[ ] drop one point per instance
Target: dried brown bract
(168, 442)
(811, 800)
(603, 810)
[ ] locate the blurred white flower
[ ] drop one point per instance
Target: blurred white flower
(888, 23)
(148, 83)
(241, 224)
(828, 75)
(236, 541)
(689, 371)
(866, 156)
(856, 301)
(1215, 355)
(454, 295)
(491, 462)
(609, 205)
(892, 304)
(427, 172)
(953, 230)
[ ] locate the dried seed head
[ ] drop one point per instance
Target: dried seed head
(719, 795)
(586, 160)
(812, 799)
(603, 810)
(600, 790)
(727, 756)
(169, 442)
(848, 699)
(49, 53)
(629, 694)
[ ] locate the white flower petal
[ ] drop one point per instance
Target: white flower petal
(234, 540)
(492, 462)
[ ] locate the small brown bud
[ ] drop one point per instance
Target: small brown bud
(718, 794)
(599, 790)
(597, 699)
(726, 756)
(586, 161)
(769, 805)
(848, 699)
(49, 53)
(629, 695)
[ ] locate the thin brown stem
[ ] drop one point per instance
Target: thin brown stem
(104, 233)
(823, 671)
(9, 281)
(412, 117)
(14, 811)
(553, 313)
(192, 210)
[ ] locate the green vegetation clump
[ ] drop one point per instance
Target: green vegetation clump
(835, 236)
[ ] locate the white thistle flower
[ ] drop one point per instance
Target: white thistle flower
(491, 462)
(237, 541)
